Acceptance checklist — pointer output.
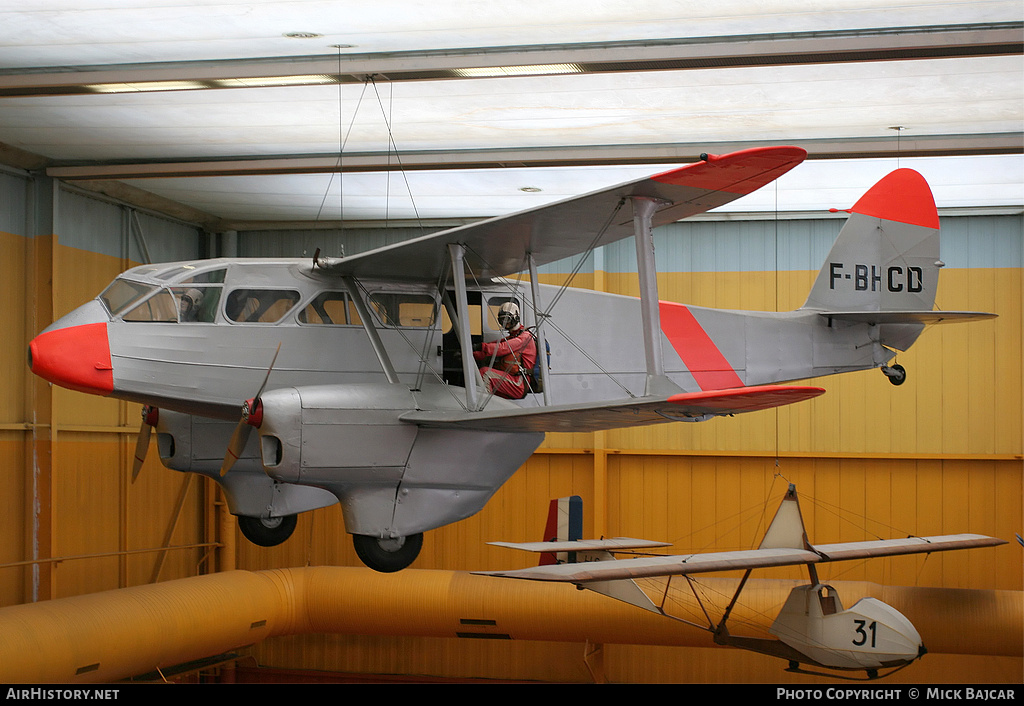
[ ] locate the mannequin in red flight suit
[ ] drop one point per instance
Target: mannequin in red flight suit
(514, 356)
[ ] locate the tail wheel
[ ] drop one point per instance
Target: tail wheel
(267, 531)
(897, 374)
(387, 555)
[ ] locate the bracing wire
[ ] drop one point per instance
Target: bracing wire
(343, 138)
(579, 265)
(546, 314)
(392, 145)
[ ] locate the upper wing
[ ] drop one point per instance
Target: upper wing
(499, 246)
(633, 412)
(679, 565)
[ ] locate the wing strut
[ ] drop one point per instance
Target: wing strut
(470, 372)
(371, 331)
(539, 315)
(644, 209)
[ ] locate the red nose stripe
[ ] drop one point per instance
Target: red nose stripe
(699, 353)
(77, 357)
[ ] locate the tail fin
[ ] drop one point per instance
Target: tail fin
(886, 257)
(565, 523)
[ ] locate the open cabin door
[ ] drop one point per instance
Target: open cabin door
(483, 324)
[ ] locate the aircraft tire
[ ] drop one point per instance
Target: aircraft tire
(900, 375)
(267, 531)
(387, 555)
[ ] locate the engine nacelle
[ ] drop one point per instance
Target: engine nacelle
(393, 478)
(869, 635)
(193, 444)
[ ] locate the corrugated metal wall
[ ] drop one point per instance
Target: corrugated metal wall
(943, 453)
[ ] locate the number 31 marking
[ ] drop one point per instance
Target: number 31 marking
(862, 634)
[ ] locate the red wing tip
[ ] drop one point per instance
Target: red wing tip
(902, 196)
(738, 172)
(784, 393)
(786, 152)
(752, 390)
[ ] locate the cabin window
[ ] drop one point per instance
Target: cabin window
(197, 303)
(403, 309)
(122, 293)
(161, 307)
(330, 308)
(259, 305)
(208, 277)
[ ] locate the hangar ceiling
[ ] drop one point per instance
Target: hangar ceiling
(233, 114)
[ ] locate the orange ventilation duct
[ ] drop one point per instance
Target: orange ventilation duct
(114, 635)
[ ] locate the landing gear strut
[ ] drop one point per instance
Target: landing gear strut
(267, 531)
(896, 373)
(387, 555)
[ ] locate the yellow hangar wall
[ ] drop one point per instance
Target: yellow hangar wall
(940, 454)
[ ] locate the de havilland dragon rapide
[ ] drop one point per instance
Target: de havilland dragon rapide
(387, 381)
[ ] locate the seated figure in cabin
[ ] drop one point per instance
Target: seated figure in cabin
(188, 307)
(507, 362)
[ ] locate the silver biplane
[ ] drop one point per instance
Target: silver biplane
(812, 628)
(371, 395)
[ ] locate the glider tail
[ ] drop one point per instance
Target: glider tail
(565, 524)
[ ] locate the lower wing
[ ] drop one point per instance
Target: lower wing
(639, 411)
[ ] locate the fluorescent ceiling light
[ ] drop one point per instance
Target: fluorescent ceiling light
(143, 86)
(257, 81)
(191, 85)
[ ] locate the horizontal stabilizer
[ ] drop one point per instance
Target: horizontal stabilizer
(584, 545)
(907, 317)
(632, 412)
(685, 564)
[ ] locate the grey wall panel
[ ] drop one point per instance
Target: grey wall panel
(13, 203)
(99, 225)
(331, 242)
(798, 245)
(89, 224)
(167, 241)
(983, 241)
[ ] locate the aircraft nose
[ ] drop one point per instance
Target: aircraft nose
(74, 355)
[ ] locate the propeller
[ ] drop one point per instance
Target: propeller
(252, 417)
(150, 415)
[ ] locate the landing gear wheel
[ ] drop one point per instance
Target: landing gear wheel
(387, 555)
(267, 531)
(897, 374)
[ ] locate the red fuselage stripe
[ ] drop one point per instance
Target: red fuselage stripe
(699, 353)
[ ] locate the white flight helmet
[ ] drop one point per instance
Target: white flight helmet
(190, 303)
(508, 316)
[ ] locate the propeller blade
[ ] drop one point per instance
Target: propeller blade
(141, 447)
(269, 370)
(238, 441)
(241, 435)
(150, 415)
